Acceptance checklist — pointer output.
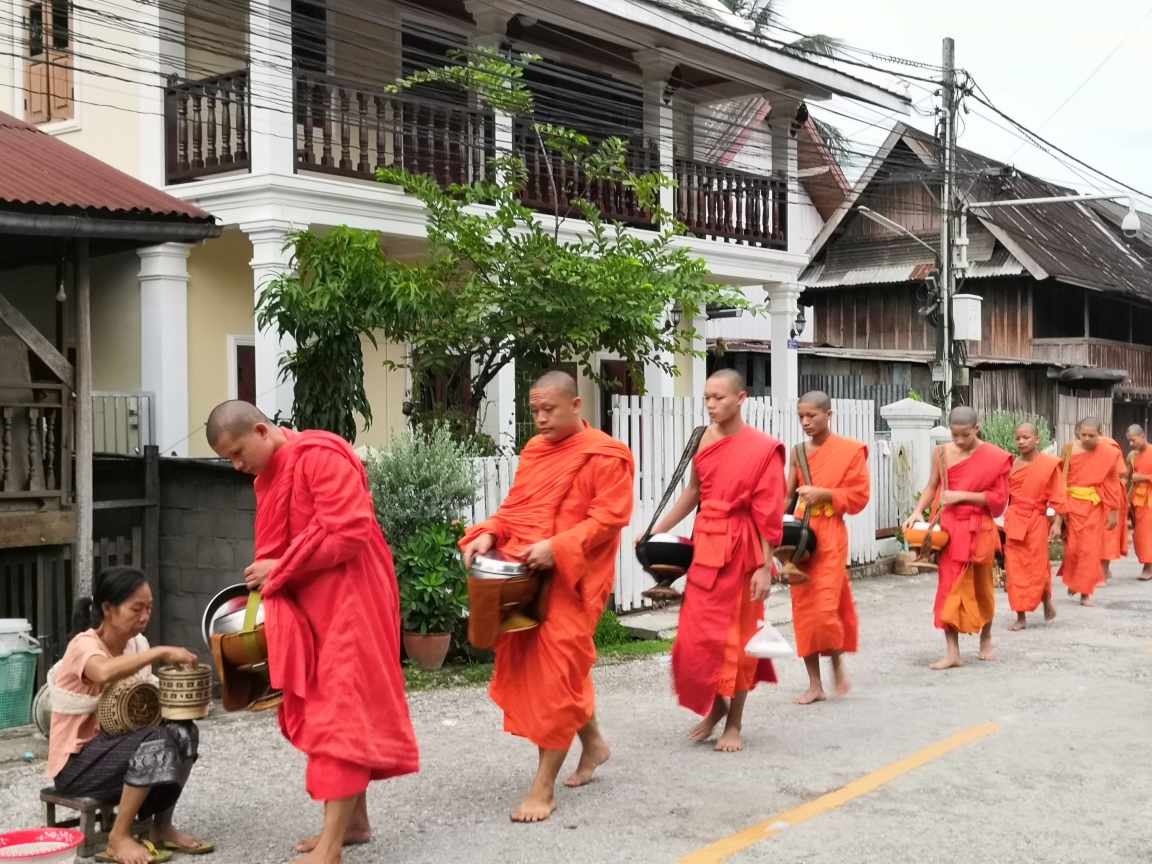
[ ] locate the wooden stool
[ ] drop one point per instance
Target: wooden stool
(93, 813)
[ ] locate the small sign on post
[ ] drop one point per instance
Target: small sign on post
(792, 343)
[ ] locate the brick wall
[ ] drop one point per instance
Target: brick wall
(206, 540)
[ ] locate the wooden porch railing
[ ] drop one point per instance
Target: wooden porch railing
(35, 460)
(723, 204)
(347, 129)
(614, 200)
(206, 126)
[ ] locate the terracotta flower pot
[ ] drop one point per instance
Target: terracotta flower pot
(427, 650)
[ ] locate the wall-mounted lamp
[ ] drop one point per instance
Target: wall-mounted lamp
(801, 320)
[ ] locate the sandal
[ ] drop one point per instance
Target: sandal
(203, 849)
(158, 856)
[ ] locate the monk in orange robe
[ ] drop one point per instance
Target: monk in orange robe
(823, 611)
(1035, 484)
(332, 615)
(571, 497)
(977, 493)
(1140, 496)
(1116, 539)
(738, 484)
(1092, 480)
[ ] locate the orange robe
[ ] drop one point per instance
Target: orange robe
(1116, 539)
(332, 617)
(1031, 491)
(823, 611)
(741, 500)
(965, 596)
(1093, 474)
(1142, 508)
(578, 492)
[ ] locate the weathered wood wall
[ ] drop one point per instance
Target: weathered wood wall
(1024, 389)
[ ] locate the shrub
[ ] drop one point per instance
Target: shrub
(999, 428)
(420, 481)
(609, 631)
(433, 581)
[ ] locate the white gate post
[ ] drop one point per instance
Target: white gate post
(911, 423)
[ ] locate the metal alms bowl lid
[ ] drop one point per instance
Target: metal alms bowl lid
(669, 538)
(225, 612)
(496, 566)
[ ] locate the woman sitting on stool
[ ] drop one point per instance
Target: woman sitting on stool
(148, 768)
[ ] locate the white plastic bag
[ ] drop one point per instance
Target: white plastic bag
(768, 644)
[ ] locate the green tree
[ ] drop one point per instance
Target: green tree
(999, 428)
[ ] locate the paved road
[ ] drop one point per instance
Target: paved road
(1066, 778)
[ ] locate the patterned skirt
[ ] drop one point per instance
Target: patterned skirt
(153, 758)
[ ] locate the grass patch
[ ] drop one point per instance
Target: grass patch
(636, 648)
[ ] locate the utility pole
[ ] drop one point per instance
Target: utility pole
(947, 193)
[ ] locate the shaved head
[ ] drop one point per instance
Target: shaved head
(1136, 429)
(818, 398)
(963, 415)
(234, 418)
(559, 379)
(732, 378)
(1030, 428)
(1090, 423)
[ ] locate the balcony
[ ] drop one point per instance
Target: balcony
(206, 126)
(1136, 360)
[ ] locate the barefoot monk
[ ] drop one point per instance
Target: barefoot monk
(1092, 480)
(738, 483)
(1034, 485)
(976, 493)
(1116, 539)
(823, 611)
(332, 615)
(571, 497)
(1139, 477)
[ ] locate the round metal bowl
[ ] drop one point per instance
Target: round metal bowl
(225, 612)
(664, 556)
(793, 528)
(496, 566)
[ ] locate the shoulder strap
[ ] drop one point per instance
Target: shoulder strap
(802, 461)
(1128, 481)
(943, 483)
(685, 460)
(1067, 460)
(801, 456)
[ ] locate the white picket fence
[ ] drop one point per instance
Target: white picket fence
(656, 431)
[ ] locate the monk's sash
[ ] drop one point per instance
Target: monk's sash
(822, 509)
(1085, 493)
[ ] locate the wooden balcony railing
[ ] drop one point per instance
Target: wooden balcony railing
(206, 126)
(568, 182)
(35, 461)
(345, 129)
(723, 204)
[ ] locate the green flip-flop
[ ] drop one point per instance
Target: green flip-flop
(203, 849)
(159, 856)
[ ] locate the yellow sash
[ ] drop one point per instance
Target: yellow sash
(1084, 493)
(824, 509)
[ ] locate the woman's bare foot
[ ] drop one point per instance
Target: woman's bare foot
(591, 758)
(1049, 609)
(169, 834)
(815, 693)
(320, 856)
(730, 741)
(536, 808)
(351, 838)
(948, 661)
(702, 731)
(1086, 600)
(127, 851)
(1020, 623)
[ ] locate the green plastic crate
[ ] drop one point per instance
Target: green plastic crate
(17, 686)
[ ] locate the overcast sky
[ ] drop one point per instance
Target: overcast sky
(1029, 56)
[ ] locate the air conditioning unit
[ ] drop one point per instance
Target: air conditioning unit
(966, 317)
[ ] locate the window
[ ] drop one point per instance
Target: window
(242, 368)
(48, 92)
(1057, 311)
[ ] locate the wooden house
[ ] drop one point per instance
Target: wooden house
(1066, 296)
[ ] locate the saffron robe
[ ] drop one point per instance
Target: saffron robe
(332, 610)
(1093, 488)
(965, 596)
(1142, 507)
(823, 611)
(1031, 491)
(741, 500)
(1116, 539)
(578, 492)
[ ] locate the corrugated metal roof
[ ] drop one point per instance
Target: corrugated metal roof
(38, 170)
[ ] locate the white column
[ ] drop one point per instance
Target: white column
(273, 130)
(782, 309)
(164, 341)
(491, 29)
(784, 162)
(269, 260)
(499, 408)
(911, 423)
(699, 364)
(656, 67)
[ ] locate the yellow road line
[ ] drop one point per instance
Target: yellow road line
(749, 837)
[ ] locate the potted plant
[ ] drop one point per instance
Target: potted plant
(433, 592)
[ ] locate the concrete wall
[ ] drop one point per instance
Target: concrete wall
(207, 513)
(214, 41)
(116, 322)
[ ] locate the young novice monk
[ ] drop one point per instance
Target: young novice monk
(1116, 539)
(738, 483)
(977, 493)
(571, 498)
(1093, 488)
(332, 615)
(1034, 485)
(823, 612)
(1140, 467)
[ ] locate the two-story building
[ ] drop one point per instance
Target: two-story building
(273, 115)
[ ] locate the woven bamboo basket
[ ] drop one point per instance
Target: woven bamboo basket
(185, 693)
(128, 705)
